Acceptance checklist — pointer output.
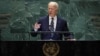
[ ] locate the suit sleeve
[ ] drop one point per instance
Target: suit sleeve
(33, 32)
(67, 30)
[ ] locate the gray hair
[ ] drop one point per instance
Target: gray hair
(54, 3)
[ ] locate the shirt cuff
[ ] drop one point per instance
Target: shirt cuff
(35, 30)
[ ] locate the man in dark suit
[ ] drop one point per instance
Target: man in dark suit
(52, 23)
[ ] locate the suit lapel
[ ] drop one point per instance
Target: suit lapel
(47, 23)
(57, 24)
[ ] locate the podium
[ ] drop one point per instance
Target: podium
(65, 38)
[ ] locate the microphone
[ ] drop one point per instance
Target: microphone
(50, 27)
(51, 30)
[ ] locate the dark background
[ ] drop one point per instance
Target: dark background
(34, 48)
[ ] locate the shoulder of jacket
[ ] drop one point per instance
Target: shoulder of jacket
(43, 18)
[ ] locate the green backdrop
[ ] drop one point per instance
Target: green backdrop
(83, 18)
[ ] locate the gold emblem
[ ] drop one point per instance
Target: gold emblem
(51, 49)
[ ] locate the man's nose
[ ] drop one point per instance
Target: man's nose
(50, 10)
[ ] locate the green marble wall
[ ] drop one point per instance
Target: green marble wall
(24, 13)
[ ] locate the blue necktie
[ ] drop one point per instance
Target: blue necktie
(52, 27)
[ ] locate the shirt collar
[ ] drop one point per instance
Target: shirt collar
(55, 17)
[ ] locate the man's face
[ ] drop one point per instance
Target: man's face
(52, 10)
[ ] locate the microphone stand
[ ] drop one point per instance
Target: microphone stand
(51, 30)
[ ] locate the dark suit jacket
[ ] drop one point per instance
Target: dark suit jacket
(61, 26)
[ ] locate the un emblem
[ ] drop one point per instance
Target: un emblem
(50, 49)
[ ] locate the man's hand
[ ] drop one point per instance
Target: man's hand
(36, 26)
